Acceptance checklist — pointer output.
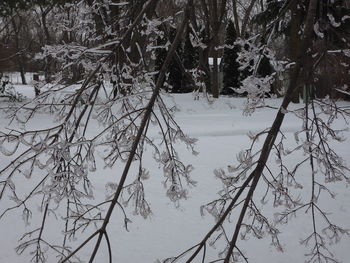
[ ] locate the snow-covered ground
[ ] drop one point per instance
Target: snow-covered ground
(15, 77)
(222, 130)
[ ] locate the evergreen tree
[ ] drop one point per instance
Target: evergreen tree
(230, 65)
(190, 59)
(265, 68)
(190, 54)
(175, 78)
(160, 53)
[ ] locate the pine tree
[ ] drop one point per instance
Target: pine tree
(190, 58)
(160, 53)
(190, 54)
(175, 74)
(175, 77)
(230, 65)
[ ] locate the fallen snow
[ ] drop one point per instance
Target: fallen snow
(222, 132)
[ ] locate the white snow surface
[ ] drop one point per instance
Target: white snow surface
(221, 129)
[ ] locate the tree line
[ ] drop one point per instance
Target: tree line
(30, 28)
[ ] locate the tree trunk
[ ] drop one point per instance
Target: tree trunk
(145, 119)
(255, 176)
(48, 60)
(272, 135)
(294, 41)
(246, 17)
(235, 17)
(215, 76)
(215, 34)
(19, 58)
(22, 71)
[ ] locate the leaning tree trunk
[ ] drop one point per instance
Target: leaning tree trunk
(254, 177)
(101, 232)
(271, 137)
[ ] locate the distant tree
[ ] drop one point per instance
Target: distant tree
(28, 32)
(230, 65)
(8, 7)
(15, 22)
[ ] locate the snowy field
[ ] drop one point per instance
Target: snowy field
(221, 130)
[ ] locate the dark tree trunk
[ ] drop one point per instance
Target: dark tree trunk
(48, 60)
(20, 57)
(294, 42)
(22, 71)
(252, 181)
